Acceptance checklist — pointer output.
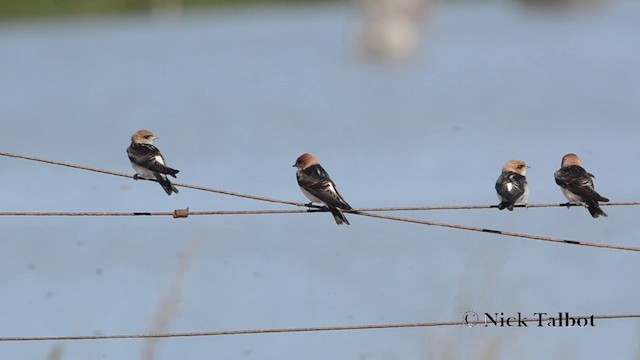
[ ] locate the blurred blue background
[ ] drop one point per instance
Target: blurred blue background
(235, 96)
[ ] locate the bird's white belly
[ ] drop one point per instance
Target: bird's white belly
(311, 197)
(525, 197)
(571, 196)
(142, 171)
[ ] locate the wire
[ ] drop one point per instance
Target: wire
(482, 207)
(266, 212)
(291, 330)
(176, 213)
(114, 173)
(183, 213)
(500, 232)
(314, 208)
(277, 201)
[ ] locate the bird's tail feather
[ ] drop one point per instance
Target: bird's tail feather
(167, 186)
(506, 205)
(595, 210)
(339, 216)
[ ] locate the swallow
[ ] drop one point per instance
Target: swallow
(577, 185)
(148, 162)
(317, 186)
(512, 185)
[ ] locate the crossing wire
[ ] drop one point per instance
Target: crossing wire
(182, 213)
(299, 204)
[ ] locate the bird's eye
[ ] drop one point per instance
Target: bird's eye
(147, 136)
(520, 166)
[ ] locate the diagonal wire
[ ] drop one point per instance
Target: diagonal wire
(499, 232)
(175, 213)
(292, 330)
(115, 173)
(360, 212)
(185, 213)
(277, 201)
(314, 208)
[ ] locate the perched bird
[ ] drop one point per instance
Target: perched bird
(577, 186)
(318, 187)
(512, 185)
(147, 161)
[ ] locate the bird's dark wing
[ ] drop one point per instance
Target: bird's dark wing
(148, 156)
(518, 183)
(318, 183)
(577, 180)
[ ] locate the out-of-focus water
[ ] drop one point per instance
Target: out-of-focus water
(235, 97)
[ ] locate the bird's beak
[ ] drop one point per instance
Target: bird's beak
(528, 167)
(154, 138)
(294, 165)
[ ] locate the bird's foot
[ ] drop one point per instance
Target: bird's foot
(568, 205)
(312, 206)
(316, 208)
(136, 177)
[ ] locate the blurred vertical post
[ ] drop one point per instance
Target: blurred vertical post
(390, 30)
(170, 302)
